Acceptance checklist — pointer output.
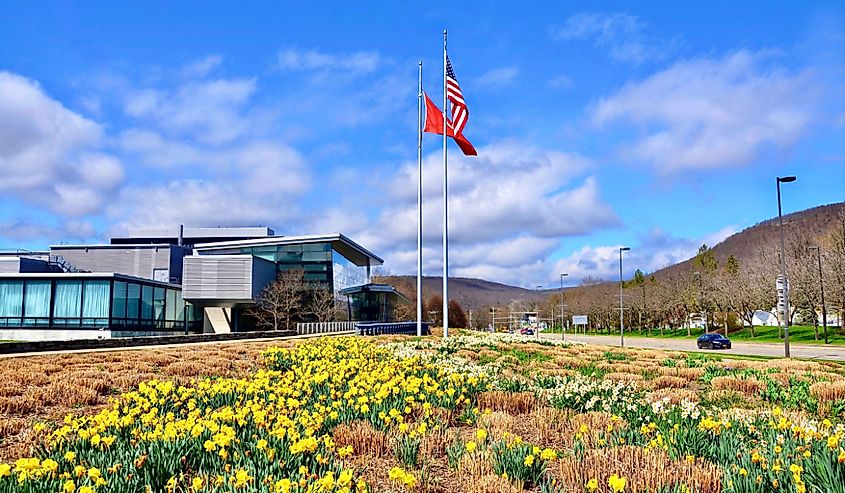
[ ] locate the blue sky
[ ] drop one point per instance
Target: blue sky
(651, 125)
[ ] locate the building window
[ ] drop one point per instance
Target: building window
(158, 307)
(95, 305)
(11, 302)
(37, 303)
(146, 303)
(118, 304)
(133, 300)
(68, 302)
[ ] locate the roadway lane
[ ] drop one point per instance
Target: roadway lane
(808, 351)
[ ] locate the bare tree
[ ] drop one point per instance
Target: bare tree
(322, 303)
(834, 263)
(280, 304)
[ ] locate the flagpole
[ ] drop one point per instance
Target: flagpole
(445, 203)
(419, 202)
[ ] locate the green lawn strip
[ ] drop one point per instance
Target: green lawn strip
(798, 334)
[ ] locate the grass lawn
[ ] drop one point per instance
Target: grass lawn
(799, 334)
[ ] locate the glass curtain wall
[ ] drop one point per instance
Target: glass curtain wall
(95, 303)
(67, 308)
(11, 301)
(91, 303)
(143, 307)
(36, 308)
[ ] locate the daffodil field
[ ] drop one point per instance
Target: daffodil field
(475, 413)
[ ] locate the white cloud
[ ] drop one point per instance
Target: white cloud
(255, 183)
(295, 59)
(210, 111)
(49, 155)
(202, 67)
(654, 250)
(622, 35)
(509, 209)
(498, 77)
(711, 113)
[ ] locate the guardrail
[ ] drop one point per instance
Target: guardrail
(305, 328)
(398, 328)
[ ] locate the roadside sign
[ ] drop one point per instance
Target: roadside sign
(579, 320)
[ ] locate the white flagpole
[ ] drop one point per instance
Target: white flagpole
(445, 203)
(419, 203)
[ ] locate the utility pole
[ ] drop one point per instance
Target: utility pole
(821, 287)
(494, 318)
(470, 320)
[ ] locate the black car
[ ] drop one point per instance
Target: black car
(714, 341)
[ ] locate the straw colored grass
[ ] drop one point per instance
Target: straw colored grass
(646, 471)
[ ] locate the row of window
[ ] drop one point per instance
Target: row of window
(75, 303)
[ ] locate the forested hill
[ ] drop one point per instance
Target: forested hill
(472, 294)
(745, 245)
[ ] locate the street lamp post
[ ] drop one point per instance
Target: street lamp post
(784, 179)
(621, 313)
(562, 318)
(821, 287)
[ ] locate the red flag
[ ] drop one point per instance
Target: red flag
(434, 125)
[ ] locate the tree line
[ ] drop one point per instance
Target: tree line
(721, 295)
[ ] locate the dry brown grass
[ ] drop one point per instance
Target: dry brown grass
(828, 392)
(364, 439)
(669, 382)
(510, 402)
(747, 386)
(646, 471)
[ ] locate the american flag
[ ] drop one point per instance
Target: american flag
(460, 114)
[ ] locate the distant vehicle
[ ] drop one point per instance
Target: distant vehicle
(713, 341)
(527, 332)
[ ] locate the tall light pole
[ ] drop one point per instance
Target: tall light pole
(537, 326)
(562, 318)
(621, 313)
(784, 179)
(821, 287)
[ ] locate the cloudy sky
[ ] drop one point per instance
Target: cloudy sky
(660, 127)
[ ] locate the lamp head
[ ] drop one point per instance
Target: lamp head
(624, 249)
(786, 179)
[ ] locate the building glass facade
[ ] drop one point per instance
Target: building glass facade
(320, 262)
(116, 302)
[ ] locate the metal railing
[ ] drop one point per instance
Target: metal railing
(394, 328)
(305, 328)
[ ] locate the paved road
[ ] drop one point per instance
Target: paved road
(836, 353)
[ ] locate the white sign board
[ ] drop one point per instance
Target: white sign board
(579, 320)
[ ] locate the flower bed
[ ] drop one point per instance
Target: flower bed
(473, 413)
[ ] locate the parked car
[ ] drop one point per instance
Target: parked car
(713, 341)
(527, 332)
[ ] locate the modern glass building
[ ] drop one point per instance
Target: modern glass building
(90, 301)
(333, 260)
(146, 285)
(223, 279)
